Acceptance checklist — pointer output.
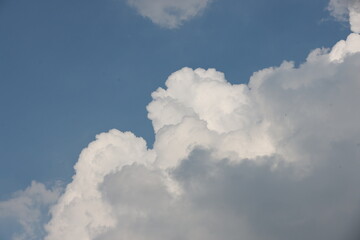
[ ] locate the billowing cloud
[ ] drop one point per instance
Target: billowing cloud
(27, 211)
(347, 10)
(169, 13)
(277, 158)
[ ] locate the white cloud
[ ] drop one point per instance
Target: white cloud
(347, 10)
(169, 13)
(28, 211)
(275, 159)
(82, 212)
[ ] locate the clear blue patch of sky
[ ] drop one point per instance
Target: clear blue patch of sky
(70, 69)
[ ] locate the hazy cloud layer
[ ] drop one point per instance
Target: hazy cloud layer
(169, 13)
(347, 10)
(275, 159)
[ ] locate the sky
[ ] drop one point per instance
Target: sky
(206, 119)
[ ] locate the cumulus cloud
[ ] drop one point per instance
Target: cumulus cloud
(169, 13)
(277, 158)
(347, 10)
(27, 211)
(274, 159)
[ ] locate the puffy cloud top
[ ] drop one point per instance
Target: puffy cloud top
(169, 13)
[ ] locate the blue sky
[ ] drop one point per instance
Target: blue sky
(229, 119)
(72, 69)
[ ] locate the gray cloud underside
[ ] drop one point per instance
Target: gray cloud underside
(241, 201)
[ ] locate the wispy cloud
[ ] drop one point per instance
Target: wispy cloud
(347, 10)
(169, 13)
(27, 211)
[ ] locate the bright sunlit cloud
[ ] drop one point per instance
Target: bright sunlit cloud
(274, 159)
